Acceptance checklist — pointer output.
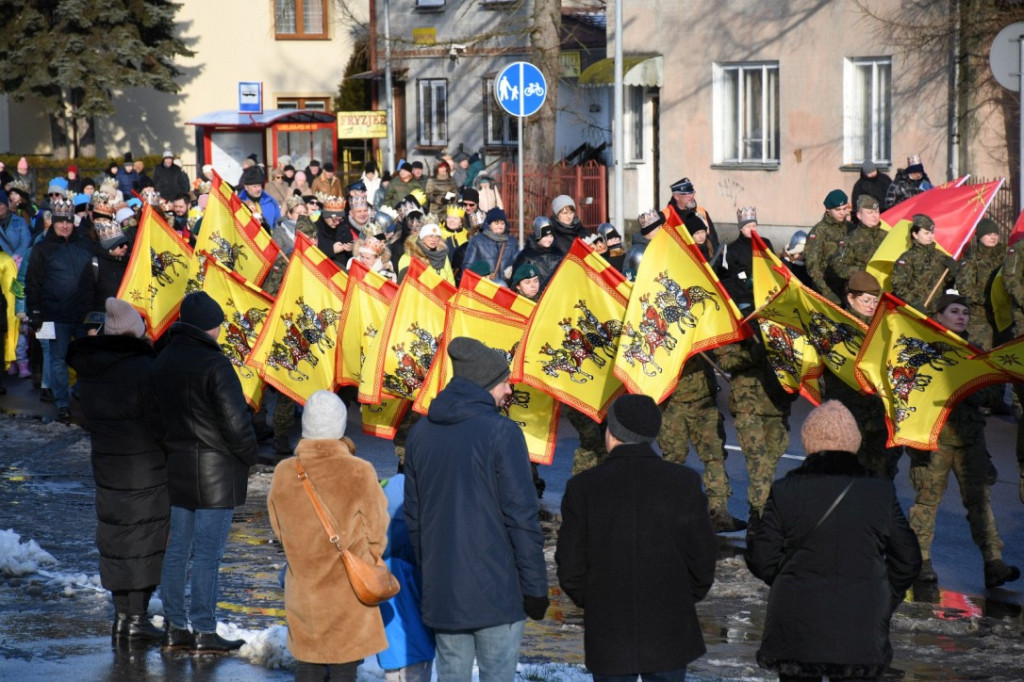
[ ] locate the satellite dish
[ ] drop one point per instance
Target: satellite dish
(1004, 57)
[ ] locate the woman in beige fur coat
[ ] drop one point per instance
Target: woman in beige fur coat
(330, 632)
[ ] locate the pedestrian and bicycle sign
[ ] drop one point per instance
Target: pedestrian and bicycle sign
(520, 89)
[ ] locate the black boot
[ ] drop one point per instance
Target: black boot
(212, 643)
(177, 638)
(140, 629)
(120, 628)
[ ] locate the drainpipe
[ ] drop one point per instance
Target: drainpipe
(953, 144)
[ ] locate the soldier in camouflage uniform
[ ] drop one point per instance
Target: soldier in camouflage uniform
(824, 241)
(294, 220)
(591, 450)
(863, 241)
(760, 409)
(962, 450)
(862, 293)
(1013, 282)
(974, 280)
(922, 271)
(691, 415)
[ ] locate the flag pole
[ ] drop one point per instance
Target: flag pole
(935, 288)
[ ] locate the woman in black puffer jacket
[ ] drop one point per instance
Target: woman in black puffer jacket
(128, 464)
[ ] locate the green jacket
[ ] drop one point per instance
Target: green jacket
(916, 273)
(754, 388)
(857, 252)
(824, 241)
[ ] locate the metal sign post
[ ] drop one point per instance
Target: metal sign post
(520, 90)
(1007, 61)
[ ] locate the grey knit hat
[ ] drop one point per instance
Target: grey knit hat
(481, 364)
(324, 417)
(560, 202)
(122, 319)
(634, 418)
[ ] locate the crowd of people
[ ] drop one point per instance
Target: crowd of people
(173, 460)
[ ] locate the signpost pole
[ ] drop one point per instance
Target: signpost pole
(1020, 138)
(519, 189)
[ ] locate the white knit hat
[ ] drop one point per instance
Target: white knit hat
(324, 417)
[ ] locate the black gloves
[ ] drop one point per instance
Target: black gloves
(36, 320)
(536, 607)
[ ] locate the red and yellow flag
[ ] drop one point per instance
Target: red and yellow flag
(157, 274)
(398, 358)
(295, 351)
(677, 308)
(533, 410)
(367, 300)
(920, 370)
(484, 294)
(245, 311)
(230, 234)
(570, 343)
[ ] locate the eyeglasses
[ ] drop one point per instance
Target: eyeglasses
(469, 204)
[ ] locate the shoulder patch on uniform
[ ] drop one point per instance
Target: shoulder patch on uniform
(901, 262)
(812, 235)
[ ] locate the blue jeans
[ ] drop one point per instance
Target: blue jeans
(496, 650)
(59, 382)
(667, 676)
(201, 536)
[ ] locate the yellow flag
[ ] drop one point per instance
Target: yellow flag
(157, 273)
(295, 350)
(999, 300)
(8, 289)
(367, 300)
(485, 294)
(920, 370)
(895, 244)
(399, 356)
(570, 343)
(245, 312)
(382, 419)
(231, 235)
(677, 308)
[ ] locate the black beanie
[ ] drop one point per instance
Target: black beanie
(252, 176)
(199, 310)
(693, 223)
(634, 419)
(483, 365)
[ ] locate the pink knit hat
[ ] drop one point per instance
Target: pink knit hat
(830, 426)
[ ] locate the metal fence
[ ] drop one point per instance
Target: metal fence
(585, 183)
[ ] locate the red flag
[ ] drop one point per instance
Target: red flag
(1018, 231)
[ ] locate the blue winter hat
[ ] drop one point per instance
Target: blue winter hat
(81, 200)
(493, 215)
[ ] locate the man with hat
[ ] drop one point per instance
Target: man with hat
(210, 446)
(961, 449)
(400, 186)
(263, 206)
(313, 171)
(824, 241)
(327, 182)
(638, 594)
(734, 268)
(872, 181)
(923, 269)
(417, 175)
(540, 252)
(650, 221)
(526, 281)
(110, 253)
(909, 181)
(57, 292)
(684, 202)
(467, 467)
(862, 242)
(126, 176)
(168, 178)
(974, 278)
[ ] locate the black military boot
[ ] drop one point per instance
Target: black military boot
(120, 628)
(998, 572)
(139, 629)
(927, 574)
(212, 643)
(724, 522)
(177, 638)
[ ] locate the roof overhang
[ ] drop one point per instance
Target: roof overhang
(641, 71)
(229, 118)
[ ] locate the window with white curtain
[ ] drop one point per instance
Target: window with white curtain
(499, 127)
(433, 112)
(867, 115)
(746, 100)
(300, 18)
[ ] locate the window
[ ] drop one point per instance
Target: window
(499, 128)
(430, 3)
(316, 103)
(747, 113)
(433, 112)
(300, 18)
(867, 120)
(633, 101)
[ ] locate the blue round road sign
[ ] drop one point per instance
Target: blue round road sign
(520, 89)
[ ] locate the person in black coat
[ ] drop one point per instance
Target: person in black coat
(540, 252)
(210, 446)
(566, 222)
(838, 553)
(636, 551)
(734, 266)
(872, 182)
(128, 464)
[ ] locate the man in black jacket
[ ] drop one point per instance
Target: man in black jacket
(210, 446)
(636, 551)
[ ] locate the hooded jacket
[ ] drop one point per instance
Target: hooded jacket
(565, 235)
(472, 512)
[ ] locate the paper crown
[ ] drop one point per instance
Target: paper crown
(62, 209)
(745, 215)
(357, 201)
(650, 219)
(109, 233)
(333, 205)
(456, 210)
(150, 196)
(101, 205)
(419, 195)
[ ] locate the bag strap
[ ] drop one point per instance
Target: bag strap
(315, 499)
(501, 252)
(828, 512)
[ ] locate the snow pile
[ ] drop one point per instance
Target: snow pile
(72, 583)
(17, 558)
(267, 648)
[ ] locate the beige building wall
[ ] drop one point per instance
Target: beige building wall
(810, 41)
(233, 41)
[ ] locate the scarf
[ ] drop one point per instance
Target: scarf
(437, 257)
(500, 238)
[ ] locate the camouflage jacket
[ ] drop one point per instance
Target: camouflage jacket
(696, 381)
(859, 248)
(916, 273)
(1013, 282)
(975, 272)
(824, 241)
(754, 388)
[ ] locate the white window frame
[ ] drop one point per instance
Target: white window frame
(430, 4)
(633, 124)
(733, 88)
(432, 112)
(508, 135)
(867, 110)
